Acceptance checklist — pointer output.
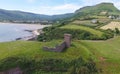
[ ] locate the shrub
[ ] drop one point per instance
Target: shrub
(49, 65)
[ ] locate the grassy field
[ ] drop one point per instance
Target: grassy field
(34, 50)
(93, 31)
(105, 53)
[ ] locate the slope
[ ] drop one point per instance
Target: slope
(108, 7)
(105, 53)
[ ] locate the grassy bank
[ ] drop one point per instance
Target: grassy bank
(105, 53)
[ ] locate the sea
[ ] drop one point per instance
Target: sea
(12, 31)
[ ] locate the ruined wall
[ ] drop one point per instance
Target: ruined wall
(58, 48)
(62, 46)
(67, 40)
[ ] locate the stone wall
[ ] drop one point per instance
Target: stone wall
(58, 48)
(62, 46)
(67, 39)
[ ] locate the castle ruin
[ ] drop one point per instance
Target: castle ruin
(62, 46)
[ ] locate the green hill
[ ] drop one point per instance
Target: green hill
(102, 7)
(95, 16)
(21, 16)
(88, 29)
(105, 53)
(79, 32)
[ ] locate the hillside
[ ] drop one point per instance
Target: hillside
(102, 7)
(106, 60)
(88, 29)
(95, 16)
(27, 51)
(108, 54)
(88, 11)
(20, 16)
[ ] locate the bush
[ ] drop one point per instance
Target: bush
(57, 33)
(49, 65)
(117, 32)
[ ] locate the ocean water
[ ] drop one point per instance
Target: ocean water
(9, 31)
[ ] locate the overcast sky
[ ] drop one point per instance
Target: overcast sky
(51, 7)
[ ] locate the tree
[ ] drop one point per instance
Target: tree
(117, 31)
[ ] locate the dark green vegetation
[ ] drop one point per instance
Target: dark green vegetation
(78, 32)
(50, 65)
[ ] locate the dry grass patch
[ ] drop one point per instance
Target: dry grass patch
(111, 25)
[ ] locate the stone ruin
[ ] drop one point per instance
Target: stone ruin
(13, 71)
(62, 46)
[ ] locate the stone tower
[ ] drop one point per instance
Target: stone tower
(67, 40)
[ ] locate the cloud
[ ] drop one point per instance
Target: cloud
(117, 4)
(66, 7)
(59, 9)
(93, 2)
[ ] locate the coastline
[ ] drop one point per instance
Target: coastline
(19, 23)
(34, 35)
(31, 31)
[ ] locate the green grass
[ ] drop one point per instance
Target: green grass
(31, 49)
(93, 31)
(107, 50)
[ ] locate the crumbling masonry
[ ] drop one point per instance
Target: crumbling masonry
(62, 46)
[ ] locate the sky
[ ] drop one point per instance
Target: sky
(51, 7)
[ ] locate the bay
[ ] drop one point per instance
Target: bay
(11, 31)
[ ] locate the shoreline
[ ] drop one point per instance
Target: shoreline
(37, 24)
(33, 31)
(19, 23)
(34, 35)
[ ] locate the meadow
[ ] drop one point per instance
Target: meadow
(104, 53)
(107, 54)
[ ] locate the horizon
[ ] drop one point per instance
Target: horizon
(47, 7)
